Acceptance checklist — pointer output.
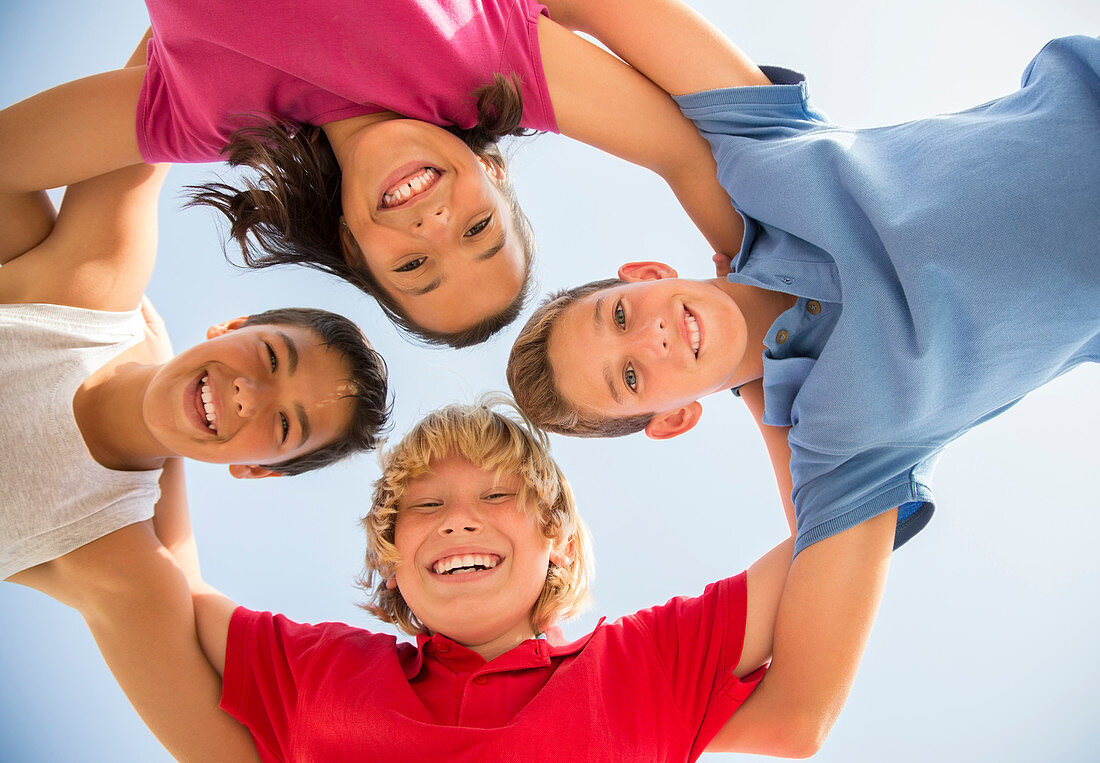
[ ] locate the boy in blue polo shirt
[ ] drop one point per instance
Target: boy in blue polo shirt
(906, 283)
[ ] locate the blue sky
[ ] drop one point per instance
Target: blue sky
(985, 646)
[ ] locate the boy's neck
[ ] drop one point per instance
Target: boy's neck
(761, 308)
(108, 412)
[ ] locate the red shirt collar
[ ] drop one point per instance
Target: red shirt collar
(532, 653)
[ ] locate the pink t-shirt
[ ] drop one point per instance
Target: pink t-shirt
(653, 686)
(213, 63)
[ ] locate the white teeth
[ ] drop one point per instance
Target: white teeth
(208, 405)
(457, 565)
(406, 190)
(693, 330)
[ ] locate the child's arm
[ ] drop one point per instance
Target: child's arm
(765, 580)
(25, 221)
(137, 604)
(825, 615)
(665, 40)
(101, 250)
(27, 217)
(74, 131)
(826, 607)
(779, 450)
(604, 102)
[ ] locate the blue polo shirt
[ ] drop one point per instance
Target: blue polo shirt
(944, 268)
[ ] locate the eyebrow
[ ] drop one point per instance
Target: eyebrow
(303, 423)
(608, 376)
(292, 366)
(488, 254)
(491, 252)
(291, 352)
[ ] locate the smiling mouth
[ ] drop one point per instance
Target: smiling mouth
(461, 564)
(204, 404)
(692, 326)
(410, 187)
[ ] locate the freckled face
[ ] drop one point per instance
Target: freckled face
(473, 562)
(255, 395)
(431, 224)
(647, 347)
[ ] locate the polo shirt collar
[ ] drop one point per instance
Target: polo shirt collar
(532, 653)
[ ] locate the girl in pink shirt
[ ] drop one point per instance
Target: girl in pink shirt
(422, 218)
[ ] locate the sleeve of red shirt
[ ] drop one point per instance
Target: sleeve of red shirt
(698, 644)
(265, 658)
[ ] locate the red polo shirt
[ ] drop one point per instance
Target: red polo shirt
(653, 686)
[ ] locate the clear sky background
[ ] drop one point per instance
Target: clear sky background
(985, 648)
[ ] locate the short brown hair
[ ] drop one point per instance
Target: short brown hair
(531, 374)
(490, 439)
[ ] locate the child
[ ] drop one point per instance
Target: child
(94, 410)
(422, 220)
(903, 286)
(475, 547)
(96, 405)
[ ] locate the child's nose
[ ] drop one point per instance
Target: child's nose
(654, 337)
(434, 223)
(245, 396)
(460, 518)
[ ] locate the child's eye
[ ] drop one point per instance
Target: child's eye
(410, 266)
(271, 356)
(478, 227)
(286, 425)
(424, 506)
(498, 496)
(619, 315)
(630, 378)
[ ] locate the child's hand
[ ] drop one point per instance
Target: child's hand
(723, 264)
(156, 334)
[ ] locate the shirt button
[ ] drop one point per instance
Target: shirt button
(813, 307)
(782, 336)
(480, 680)
(442, 648)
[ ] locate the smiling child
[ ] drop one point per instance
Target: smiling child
(102, 406)
(374, 144)
(881, 305)
(475, 547)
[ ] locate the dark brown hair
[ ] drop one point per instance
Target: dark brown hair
(366, 373)
(531, 375)
(288, 211)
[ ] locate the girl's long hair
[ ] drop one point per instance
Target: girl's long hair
(288, 209)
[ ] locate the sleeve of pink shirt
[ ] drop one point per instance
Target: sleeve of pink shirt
(213, 66)
(698, 642)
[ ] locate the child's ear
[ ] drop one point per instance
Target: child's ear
(221, 329)
(665, 425)
(646, 271)
(563, 554)
(252, 472)
(353, 255)
(492, 169)
(391, 582)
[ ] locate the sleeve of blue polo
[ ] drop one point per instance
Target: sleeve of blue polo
(758, 112)
(835, 492)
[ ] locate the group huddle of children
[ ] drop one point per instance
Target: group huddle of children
(852, 314)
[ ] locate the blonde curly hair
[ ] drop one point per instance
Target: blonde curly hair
(489, 439)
